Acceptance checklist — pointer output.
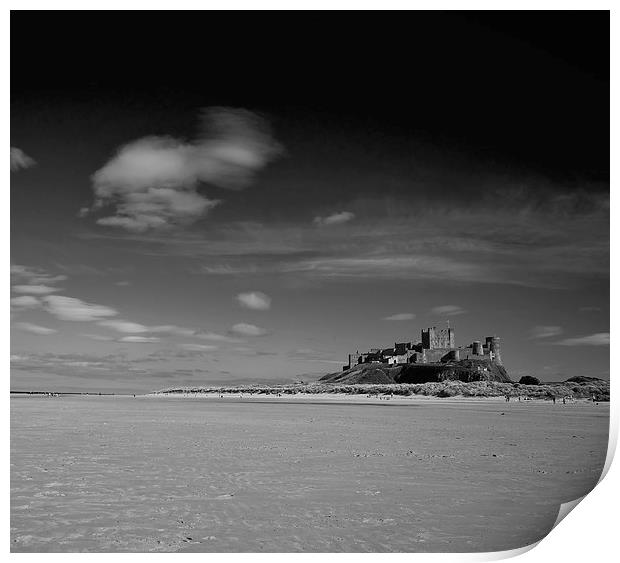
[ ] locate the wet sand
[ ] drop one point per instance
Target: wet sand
(238, 475)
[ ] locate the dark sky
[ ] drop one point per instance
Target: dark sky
(462, 157)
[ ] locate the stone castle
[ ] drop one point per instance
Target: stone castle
(436, 346)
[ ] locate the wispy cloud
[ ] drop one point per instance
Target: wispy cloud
(400, 317)
(254, 300)
(124, 326)
(20, 160)
(72, 309)
(334, 219)
(35, 329)
(33, 276)
(216, 337)
(447, 310)
(34, 289)
(191, 347)
(139, 339)
(597, 339)
(525, 241)
(152, 182)
(25, 302)
(545, 331)
(246, 329)
(98, 337)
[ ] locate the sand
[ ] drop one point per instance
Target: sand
(237, 475)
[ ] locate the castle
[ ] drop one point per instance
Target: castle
(436, 346)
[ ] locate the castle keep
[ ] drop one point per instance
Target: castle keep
(436, 346)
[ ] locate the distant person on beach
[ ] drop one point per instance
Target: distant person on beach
(553, 399)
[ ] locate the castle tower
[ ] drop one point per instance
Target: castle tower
(428, 338)
(442, 338)
(477, 348)
(493, 344)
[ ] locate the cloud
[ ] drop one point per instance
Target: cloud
(173, 329)
(25, 302)
(447, 310)
(139, 339)
(34, 289)
(598, 339)
(334, 219)
(190, 347)
(33, 276)
(124, 326)
(215, 337)
(589, 309)
(254, 300)
(129, 327)
(545, 331)
(152, 182)
(72, 309)
(35, 329)
(400, 317)
(533, 242)
(246, 329)
(98, 337)
(20, 160)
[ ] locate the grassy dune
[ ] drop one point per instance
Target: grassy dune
(579, 390)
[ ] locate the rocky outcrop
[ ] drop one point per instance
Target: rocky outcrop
(464, 370)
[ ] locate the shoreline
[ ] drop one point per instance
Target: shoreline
(347, 398)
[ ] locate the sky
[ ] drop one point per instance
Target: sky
(212, 198)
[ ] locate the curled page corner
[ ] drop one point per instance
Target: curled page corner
(509, 553)
(565, 509)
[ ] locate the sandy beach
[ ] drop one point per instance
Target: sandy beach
(322, 474)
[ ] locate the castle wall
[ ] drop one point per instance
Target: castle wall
(437, 346)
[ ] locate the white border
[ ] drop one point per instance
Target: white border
(588, 533)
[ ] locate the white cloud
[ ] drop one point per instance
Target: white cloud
(545, 331)
(215, 337)
(98, 337)
(35, 329)
(153, 181)
(173, 329)
(247, 329)
(129, 327)
(139, 339)
(124, 326)
(34, 289)
(400, 317)
(25, 302)
(199, 347)
(20, 160)
(447, 310)
(72, 309)
(335, 218)
(254, 300)
(33, 276)
(598, 339)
